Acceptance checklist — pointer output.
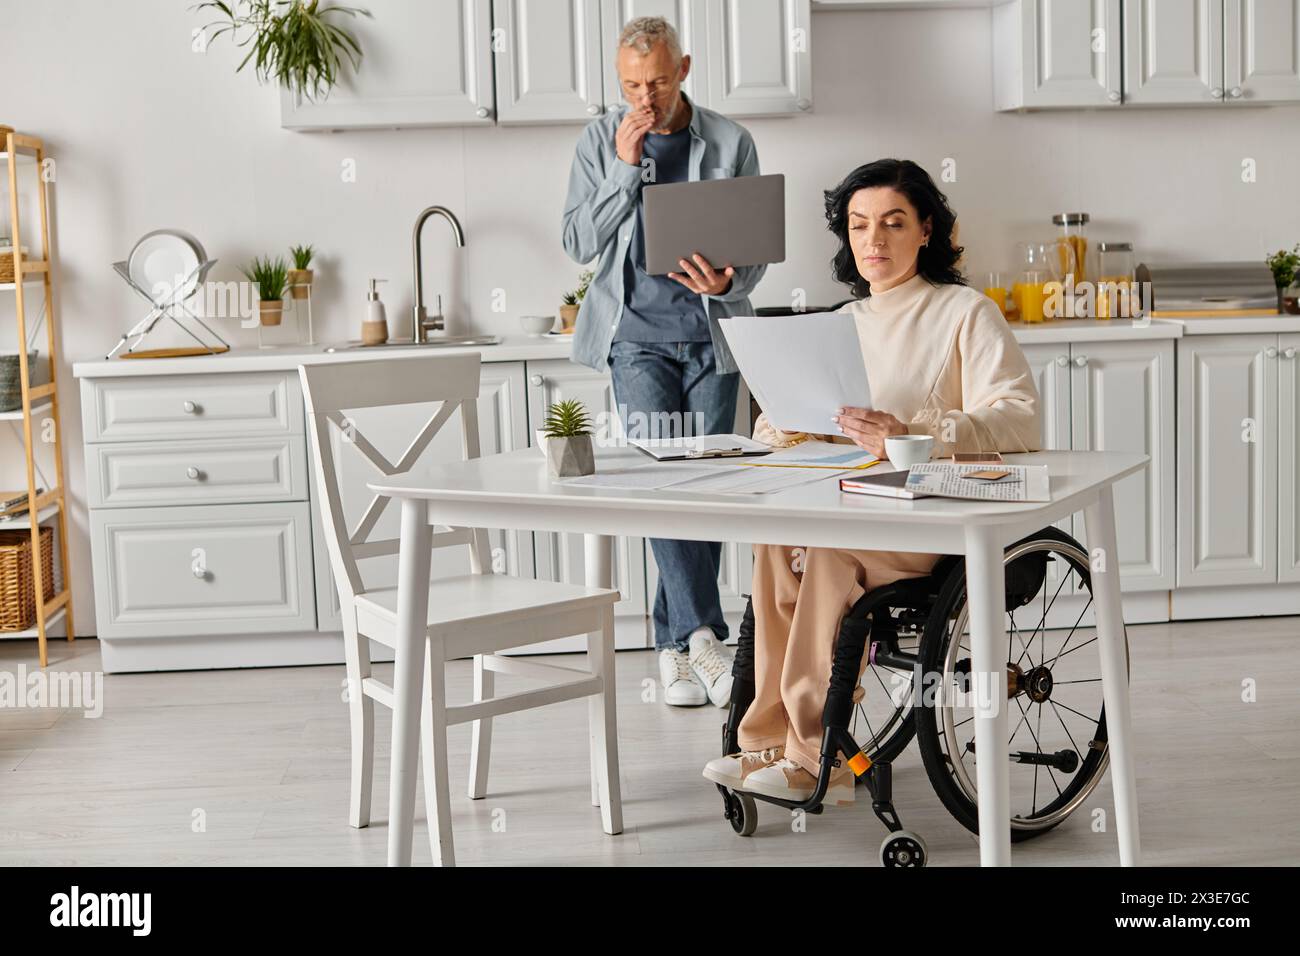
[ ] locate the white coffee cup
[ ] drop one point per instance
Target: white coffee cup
(904, 451)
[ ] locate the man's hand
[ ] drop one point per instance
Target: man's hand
(701, 277)
(631, 134)
(868, 428)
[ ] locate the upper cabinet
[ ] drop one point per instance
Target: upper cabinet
(423, 64)
(553, 61)
(1073, 53)
(1055, 53)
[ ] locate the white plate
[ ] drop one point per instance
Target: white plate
(163, 258)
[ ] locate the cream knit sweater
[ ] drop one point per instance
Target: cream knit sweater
(942, 359)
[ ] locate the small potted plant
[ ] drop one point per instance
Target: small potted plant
(1286, 270)
(567, 431)
(300, 275)
(271, 276)
(572, 301)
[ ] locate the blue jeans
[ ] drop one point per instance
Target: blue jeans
(680, 379)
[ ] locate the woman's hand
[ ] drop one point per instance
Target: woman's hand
(701, 278)
(868, 428)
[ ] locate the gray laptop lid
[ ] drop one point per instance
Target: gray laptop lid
(737, 222)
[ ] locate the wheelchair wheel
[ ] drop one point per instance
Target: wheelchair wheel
(903, 849)
(1058, 740)
(742, 813)
(883, 723)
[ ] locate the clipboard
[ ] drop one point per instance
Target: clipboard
(700, 447)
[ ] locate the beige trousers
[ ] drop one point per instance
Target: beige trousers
(800, 596)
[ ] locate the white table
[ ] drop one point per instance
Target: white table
(514, 491)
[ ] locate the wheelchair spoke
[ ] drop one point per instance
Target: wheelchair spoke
(1065, 728)
(1043, 620)
(1062, 652)
(1096, 723)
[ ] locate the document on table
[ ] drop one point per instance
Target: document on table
(1023, 483)
(817, 454)
(699, 446)
(801, 368)
(716, 479)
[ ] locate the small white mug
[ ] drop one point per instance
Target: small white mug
(904, 451)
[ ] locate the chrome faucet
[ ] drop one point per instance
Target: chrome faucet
(422, 322)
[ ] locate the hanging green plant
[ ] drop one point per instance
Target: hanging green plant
(294, 42)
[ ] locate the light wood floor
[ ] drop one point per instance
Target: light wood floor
(260, 758)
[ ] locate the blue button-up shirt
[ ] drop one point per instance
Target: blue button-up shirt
(600, 214)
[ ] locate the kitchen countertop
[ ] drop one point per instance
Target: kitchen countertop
(523, 348)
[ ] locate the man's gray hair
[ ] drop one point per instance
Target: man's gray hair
(643, 33)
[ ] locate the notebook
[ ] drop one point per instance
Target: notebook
(889, 484)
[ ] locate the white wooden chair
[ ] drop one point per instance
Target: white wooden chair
(475, 614)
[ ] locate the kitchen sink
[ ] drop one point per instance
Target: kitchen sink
(437, 342)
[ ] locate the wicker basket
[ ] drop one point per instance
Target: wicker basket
(17, 591)
(11, 381)
(7, 264)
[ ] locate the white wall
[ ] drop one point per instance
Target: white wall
(148, 134)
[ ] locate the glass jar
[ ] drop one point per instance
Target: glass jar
(1039, 266)
(1114, 280)
(1074, 251)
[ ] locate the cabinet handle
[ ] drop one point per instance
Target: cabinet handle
(1081, 361)
(1235, 93)
(1288, 353)
(190, 408)
(1062, 361)
(193, 474)
(1113, 96)
(201, 573)
(1271, 351)
(803, 104)
(1216, 93)
(535, 380)
(482, 112)
(593, 110)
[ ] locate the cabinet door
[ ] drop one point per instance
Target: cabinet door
(1056, 53)
(502, 421)
(1227, 460)
(759, 56)
(1122, 399)
(559, 557)
(423, 64)
(1050, 365)
(1261, 51)
(685, 16)
(1288, 457)
(1173, 53)
(548, 60)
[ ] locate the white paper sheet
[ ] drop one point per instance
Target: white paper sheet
(1025, 483)
(752, 481)
(801, 368)
(678, 448)
(645, 477)
(816, 454)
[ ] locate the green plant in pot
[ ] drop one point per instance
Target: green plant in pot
(271, 276)
(571, 302)
(296, 43)
(1286, 271)
(300, 275)
(567, 430)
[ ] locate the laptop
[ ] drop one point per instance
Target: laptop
(731, 222)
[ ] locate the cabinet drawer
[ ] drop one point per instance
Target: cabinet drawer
(228, 569)
(216, 471)
(191, 406)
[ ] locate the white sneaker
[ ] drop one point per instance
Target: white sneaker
(681, 687)
(731, 771)
(711, 662)
(786, 780)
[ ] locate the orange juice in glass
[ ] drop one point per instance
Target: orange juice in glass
(1029, 296)
(996, 289)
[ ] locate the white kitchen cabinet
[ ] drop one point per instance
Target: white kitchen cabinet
(1057, 53)
(548, 60)
(759, 56)
(423, 64)
(502, 417)
(1118, 396)
(1288, 457)
(1261, 51)
(1227, 460)
(1122, 399)
(1173, 52)
(686, 16)
(559, 557)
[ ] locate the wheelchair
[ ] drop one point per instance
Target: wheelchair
(917, 683)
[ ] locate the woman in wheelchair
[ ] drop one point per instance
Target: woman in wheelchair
(942, 362)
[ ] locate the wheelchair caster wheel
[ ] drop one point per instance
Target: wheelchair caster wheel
(903, 848)
(742, 814)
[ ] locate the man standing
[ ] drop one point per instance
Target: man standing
(659, 334)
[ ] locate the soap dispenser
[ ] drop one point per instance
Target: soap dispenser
(374, 329)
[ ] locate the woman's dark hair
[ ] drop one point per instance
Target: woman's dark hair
(936, 261)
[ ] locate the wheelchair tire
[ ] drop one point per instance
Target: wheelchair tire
(903, 849)
(955, 786)
(742, 813)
